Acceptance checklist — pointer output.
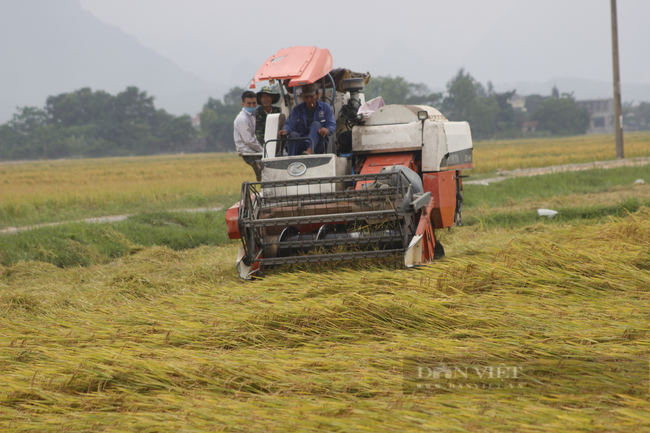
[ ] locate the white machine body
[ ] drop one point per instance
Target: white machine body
(396, 128)
(303, 167)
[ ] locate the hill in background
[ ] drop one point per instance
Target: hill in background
(52, 47)
(48, 47)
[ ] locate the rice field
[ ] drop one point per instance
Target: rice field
(490, 156)
(46, 191)
(171, 340)
(153, 178)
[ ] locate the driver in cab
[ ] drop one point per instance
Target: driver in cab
(312, 119)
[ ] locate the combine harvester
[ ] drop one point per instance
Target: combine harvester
(384, 184)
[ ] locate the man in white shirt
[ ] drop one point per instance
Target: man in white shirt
(244, 134)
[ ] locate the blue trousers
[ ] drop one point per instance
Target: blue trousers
(298, 147)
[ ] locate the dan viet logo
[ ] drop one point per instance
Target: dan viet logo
(613, 374)
(443, 371)
(444, 376)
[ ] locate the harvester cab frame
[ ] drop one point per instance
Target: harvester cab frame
(385, 183)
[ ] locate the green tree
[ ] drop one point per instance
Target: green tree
(29, 119)
(463, 92)
(420, 94)
(217, 119)
(134, 106)
(233, 97)
(562, 116)
(507, 117)
(392, 90)
(467, 100)
(80, 107)
(534, 101)
(178, 131)
(399, 91)
(555, 93)
(87, 123)
(28, 133)
(133, 123)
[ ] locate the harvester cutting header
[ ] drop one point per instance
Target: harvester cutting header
(386, 178)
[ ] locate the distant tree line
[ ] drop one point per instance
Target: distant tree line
(91, 124)
(84, 123)
(488, 113)
(217, 119)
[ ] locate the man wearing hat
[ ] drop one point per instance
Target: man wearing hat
(311, 119)
(265, 98)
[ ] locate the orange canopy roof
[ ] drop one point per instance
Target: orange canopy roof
(301, 65)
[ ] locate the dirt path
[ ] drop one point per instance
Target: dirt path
(106, 219)
(559, 168)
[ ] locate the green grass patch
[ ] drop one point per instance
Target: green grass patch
(25, 214)
(82, 244)
(566, 215)
(551, 185)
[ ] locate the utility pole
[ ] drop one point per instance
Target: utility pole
(618, 112)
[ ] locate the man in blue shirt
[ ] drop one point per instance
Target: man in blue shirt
(311, 119)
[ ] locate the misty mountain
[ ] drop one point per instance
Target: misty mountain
(52, 47)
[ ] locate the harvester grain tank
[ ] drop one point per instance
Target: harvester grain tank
(387, 180)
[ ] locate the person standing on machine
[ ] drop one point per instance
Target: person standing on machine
(265, 98)
(313, 119)
(244, 133)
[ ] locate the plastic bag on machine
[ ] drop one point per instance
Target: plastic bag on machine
(371, 106)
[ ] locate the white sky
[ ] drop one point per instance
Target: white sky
(506, 41)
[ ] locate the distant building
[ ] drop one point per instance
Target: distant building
(602, 115)
(196, 121)
(530, 126)
(518, 102)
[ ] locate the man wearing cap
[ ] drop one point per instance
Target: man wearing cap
(265, 98)
(244, 133)
(313, 120)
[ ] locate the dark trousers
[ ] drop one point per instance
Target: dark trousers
(253, 160)
(298, 147)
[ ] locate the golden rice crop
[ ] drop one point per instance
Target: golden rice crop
(173, 341)
(96, 182)
(491, 156)
(123, 180)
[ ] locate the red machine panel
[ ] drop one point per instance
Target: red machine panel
(374, 163)
(442, 185)
(303, 65)
(231, 221)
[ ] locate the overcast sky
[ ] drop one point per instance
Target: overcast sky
(505, 41)
(184, 52)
